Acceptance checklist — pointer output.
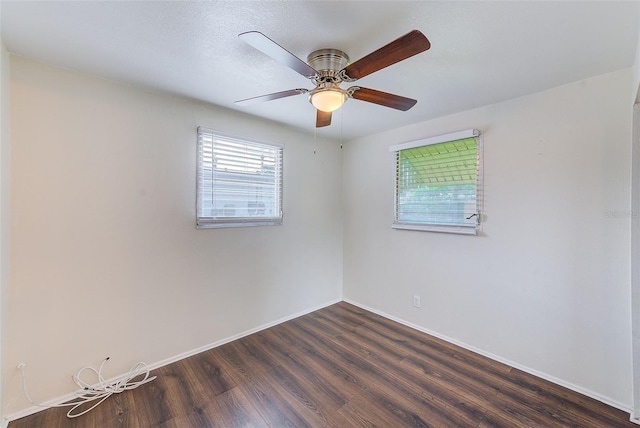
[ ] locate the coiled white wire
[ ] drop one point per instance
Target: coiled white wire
(100, 391)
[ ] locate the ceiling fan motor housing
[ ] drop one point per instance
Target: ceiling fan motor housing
(328, 62)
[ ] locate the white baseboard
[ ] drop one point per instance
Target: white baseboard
(35, 409)
(545, 376)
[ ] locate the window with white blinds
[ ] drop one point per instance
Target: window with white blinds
(438, 183)
(239, 181)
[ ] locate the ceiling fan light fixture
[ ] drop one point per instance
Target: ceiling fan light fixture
(328, 99)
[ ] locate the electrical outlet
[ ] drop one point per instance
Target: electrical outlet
(416, 301)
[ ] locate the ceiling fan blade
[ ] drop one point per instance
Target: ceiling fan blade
(323, 118)
(270, 97)
(382, 98)
(277, 52)
(400, 49)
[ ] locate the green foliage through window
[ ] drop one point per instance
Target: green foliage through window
(437, 184)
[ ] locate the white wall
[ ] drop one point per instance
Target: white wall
(635, 259)
(635, 234)
(636, 72)
(5, 155)
(106, 260)
(546, 284)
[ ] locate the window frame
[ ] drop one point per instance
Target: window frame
(212, 222)
(434, 227)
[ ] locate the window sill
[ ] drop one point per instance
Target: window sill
(459, 230)
(223, 224)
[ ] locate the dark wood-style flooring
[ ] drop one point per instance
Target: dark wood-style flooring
(340, 366)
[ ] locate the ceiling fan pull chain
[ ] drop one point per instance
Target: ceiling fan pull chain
(341, 123)
(315, 139)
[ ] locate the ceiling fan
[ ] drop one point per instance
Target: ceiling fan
(328, 68)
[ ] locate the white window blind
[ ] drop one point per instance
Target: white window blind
(438, 183)
(239, 182)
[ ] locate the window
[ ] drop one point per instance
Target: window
(438, 183)
(239, 181)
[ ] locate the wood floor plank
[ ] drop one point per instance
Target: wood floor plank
(457, 404)
(119, 411)
(272, 406)
(152, 406)
(359, 413)
(193, 420)
(381, 388)
(233, 409)
(340, 366)
(244, 360)
(296, 369)
(209, 369)
(335, 382)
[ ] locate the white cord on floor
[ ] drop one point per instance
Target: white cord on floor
(100, 391)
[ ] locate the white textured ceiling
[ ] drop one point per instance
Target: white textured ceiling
(482, 52)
